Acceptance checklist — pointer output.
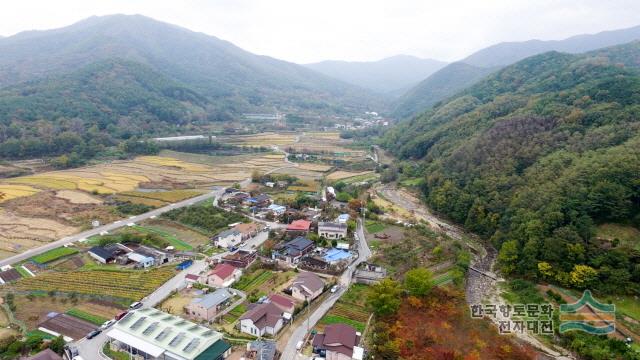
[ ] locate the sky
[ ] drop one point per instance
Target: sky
(306, 31)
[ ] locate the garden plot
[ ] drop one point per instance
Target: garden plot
(349, 309)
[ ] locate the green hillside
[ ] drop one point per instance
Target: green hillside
(534, 157)
(93, 107)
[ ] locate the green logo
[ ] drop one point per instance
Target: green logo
(588, 315)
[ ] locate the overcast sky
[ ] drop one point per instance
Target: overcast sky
(313, 30)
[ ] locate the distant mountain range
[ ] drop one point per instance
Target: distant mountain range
(392, 76)
(455, 77)
(231, 79)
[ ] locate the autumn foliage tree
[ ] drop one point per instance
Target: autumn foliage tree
(418, 282)
(384, 298)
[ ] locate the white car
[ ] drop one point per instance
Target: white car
(299, 345)
(107, 324)
(334, 288)
(135, 305)
(104, 233)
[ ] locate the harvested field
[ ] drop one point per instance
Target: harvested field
(340, 175)
(164, 196)
(263, 139)
(77, 197)
(314, 167)
(33, 311)
(68, 325)
(18, 234)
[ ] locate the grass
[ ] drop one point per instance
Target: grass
(54, 254)
(627, 235)
(40, 334)
(22, 271)
(337, 319)
(115, 355)
(412, 182)
(374, 226)
(174, 241)
(253, 281)
(443, 279)
(83, 315)
(235, 314)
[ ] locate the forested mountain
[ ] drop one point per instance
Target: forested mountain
(441, 85)
(534, 157)
(392, 76)
(510, 52)
(90, 108)
(234, 79)
(457, 76)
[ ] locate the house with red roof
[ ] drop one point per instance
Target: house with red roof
(299, 228)
(339, 342)
(223, 275)
(285, 303)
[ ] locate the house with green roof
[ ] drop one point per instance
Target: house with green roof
(152, 334)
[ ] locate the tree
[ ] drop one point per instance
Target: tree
(57, 345)
(507, 256)
(384, 298)
(582, 275)
(418, 282)
(545, 269)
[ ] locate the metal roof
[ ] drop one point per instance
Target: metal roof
(156, 332)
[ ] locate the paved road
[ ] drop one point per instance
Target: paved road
(289, 352)
(108, 227)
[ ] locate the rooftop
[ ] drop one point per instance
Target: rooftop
(223, 271)
(213, 299)
(308, 282)
(262, 315)
(332, 226)
(156, 332)
(299, 225)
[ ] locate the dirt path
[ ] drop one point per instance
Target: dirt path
(479, 288)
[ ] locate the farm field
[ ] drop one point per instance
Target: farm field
(373, 227)
(262, 139)
(172, 239)
(263, 282)
(342, 175)
(349, 309)
(626, 235)
(33, 309)
(189, 236)
(83, 315)
(124, 284)
(48, 206)
(54, 254)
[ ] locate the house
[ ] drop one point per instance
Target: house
(261, 200)
(207, 307)
(9, 275)
(265, 318)
(159, 257)
(241, 258)
(141, 260)
(339, 342)
(277, 209)
(330, 193)
(343, 218)
(261, 350)
(331, 230)
(292, 251)
(238, 198)
(228, 238)
(191, 278)
(149, 333)
(307, 286)
(248, 230)
(285, 303)
(299, 227)
(223, 275)
(104, 254)
(46, 354)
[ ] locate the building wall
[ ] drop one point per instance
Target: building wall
(229, 240)
(201, 312)
(247, 327)
(332, 355)
(332, 234)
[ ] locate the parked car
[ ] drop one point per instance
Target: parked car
(299, 345)
(334, 288)
(93, 334)
(107, 324)
(135, 305)
(121, 315)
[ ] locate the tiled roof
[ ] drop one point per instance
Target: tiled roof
(223, 271)
(299, 225)
(263, 315)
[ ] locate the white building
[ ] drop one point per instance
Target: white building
(331, 230)
(228, 238)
